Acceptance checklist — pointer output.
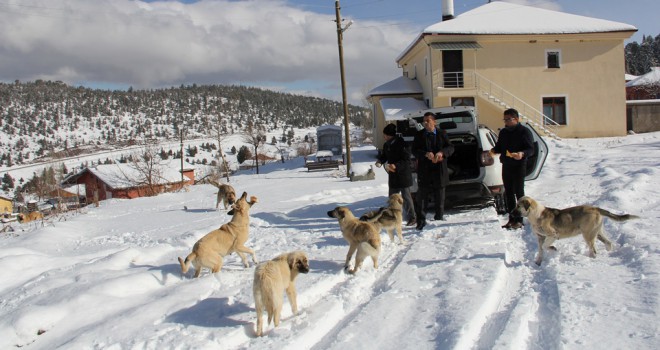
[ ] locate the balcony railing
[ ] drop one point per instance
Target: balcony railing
(496, 94)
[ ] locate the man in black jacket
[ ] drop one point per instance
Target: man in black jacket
(515, 145)
(397, 156)
(431, 147)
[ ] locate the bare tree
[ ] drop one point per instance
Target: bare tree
(214, 128)
(255, 135)
(149, 167)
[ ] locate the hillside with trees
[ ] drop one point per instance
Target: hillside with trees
(45, 119)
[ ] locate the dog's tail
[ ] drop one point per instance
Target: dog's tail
(371, 246)
(185, 265)
(373, 216)
(617, 217)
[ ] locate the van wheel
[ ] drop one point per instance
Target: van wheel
(500, 204)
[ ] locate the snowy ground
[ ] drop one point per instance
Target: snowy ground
(108, 278)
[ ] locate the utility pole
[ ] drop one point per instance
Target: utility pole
(340, 32)
(181, 155)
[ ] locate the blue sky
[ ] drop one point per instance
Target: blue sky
(277, 44)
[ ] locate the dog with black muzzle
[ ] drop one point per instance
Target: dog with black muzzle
(362, 236)
(271, 280)
(550, 224)
(210, 250)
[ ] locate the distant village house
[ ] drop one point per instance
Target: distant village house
(124, 181)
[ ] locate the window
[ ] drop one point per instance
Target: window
(426, 66)
(553, 58)
(555, 109)
(462, 101)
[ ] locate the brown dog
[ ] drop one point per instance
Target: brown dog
(271, 280)
(361, 236)
(226, 194)
(210, 250)
(551, 224)
(389, 218)
(25, 218)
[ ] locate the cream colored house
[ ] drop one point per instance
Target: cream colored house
(562, 72)
(6, 205)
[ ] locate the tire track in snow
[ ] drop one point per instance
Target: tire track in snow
(521, 309)
(336, 305)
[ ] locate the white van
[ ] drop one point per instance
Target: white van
(475, 178)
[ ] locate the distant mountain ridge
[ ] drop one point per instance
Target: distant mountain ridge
(45, 118)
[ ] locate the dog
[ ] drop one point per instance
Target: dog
(361, 236)
(25, 218)
(551, 224)
(210, 250)
(389, 218)
(271, 280)
(226, 194)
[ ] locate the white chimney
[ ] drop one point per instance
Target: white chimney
(447, 10)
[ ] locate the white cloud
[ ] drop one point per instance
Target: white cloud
(158, 44)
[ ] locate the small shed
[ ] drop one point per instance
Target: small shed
(329, 139)
(6, 205)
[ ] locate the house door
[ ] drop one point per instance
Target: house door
(452, 68)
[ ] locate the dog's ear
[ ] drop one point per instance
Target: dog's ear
(253, 199)
(527, 204)
(291, 261)
(244, 195)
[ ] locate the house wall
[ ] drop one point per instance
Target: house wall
(94, 188)
(5, 205)
(590, 77)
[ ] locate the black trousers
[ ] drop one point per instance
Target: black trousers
(421, 199)
(513, 177)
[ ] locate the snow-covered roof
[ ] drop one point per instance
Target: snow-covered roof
(400, 85)
(505, 18)
(328, 127)
(508, 18)
(630, 77)
(119, 176)
(650, 78)
(397, 108)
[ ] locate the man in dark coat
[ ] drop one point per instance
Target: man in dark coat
(397, 156)
(432, 148)
(515, 145)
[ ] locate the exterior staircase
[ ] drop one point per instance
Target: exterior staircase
(505, 100)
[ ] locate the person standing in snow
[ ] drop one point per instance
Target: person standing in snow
(432, 148)
(398, 158)
(515, 145)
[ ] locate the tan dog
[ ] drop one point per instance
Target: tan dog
(25, 218)
(551, 224)
(210, 250)
(226, 194)
(271, 280)
(361, 236)
(389, 218)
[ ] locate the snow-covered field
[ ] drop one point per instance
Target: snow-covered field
(108, 278)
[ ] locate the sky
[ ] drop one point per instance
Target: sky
(107, 277)
(288, 46)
